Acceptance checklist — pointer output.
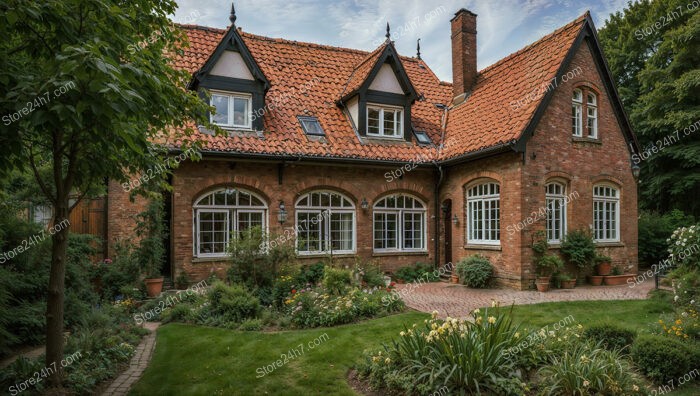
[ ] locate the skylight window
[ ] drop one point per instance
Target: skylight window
(311, 126)
(422, 137)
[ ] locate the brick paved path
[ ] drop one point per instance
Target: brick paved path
(457, 300)
(121, 385)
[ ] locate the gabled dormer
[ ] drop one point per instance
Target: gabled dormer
(378, 96)
(233, 83)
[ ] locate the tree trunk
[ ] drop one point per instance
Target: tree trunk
(54, 304)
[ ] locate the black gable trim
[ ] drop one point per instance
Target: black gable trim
(232, 41)
(588, 35)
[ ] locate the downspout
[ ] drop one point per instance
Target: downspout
(438, 213)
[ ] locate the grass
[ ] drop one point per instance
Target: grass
(192, 360)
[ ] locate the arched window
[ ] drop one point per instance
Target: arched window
(399, 224)
(555, 197)
(221, 215)
(325, 223)
(606, 213)
(592, 115)
(577, 113)
(483, 211)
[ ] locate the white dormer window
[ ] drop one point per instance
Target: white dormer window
(384, 121)
(232, 110)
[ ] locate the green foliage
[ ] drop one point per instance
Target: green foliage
(251, 325)
(684, 247)
(578, 248)
(369, 273)
(182, 281)
(337, 280)
(420, 272)
(654, 233)
(686, 286)
(664, 359)
(464, 356)
(610, 336)
(150, 229)
(653, 52)
(587, 369)
(233, 303)
(120, 273)
(549, 264)
(314, 308)
(255, 263)
(311, 274)
(475, 271)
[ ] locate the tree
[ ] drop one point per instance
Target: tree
(653, 48)
(88, 86)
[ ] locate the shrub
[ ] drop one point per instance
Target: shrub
(684, 247)
(663, 359)
(686, 286)
(120, 273)
(421, 271)
(311, 274)
(578, 248)
(233, 303)
(336, 280)
(369, 273)
(251, 325)
(587, 369)
(150, 228)
(463, 356)
(254, 261)
(549, 264)
(475, 271)
(654, 233)
(610, 336)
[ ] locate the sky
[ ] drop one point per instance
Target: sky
(503, 26)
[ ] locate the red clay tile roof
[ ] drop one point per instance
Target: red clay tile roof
(484, 120)
(501, 105)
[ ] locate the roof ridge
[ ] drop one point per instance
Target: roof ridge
(544, 39)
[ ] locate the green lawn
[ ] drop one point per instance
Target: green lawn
(191, 360)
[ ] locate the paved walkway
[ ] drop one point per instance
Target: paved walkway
(457, 300)
(121, 385)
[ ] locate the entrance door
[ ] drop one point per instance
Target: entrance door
(447, 223)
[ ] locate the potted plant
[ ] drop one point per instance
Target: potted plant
(539, 247)
(542, 286)
(454, 278)
(596, 280)
(150, 229)
(603, 265)
(578, 248)
(567, 281)
(616, 277)
(547, 265)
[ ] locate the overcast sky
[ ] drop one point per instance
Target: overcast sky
(504, 26)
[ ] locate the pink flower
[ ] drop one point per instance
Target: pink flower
(108, 261)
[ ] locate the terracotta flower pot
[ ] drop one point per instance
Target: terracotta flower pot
(543, 279)
(596, 280)
(615, 280)
(154, 286)
(603, 269)
(568, 284)
(454, 278)
(542, 286)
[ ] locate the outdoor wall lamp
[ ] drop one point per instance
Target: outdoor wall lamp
(364, 204)
(635, 171)
(282, 215)
(455, 220)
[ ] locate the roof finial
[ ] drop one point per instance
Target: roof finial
(232, 17)
(388, 32)
(418, 50)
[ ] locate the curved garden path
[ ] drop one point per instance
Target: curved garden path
(121, 385)
(457, 300)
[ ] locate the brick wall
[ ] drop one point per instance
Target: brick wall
(192, 180)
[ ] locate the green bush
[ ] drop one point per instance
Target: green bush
(336, 281)
(310, 274)
(579, 249)
(233, 304)
(475, 271)
(419, 272)
(119, 273)
(251, 325)
(463, 356)
(369, 273)
(255, 262)
(663, 359)
(610, 336)
(549, 264)
(684, 247)
(586, 369)
(654, 233)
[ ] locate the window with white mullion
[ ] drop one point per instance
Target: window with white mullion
(232, 110)
(577, 113)
(384, 121)
(556, 212)
(399, 224)
(325, 223)
(483, 214)
(592, 115)
(212, 232)
(606, 214)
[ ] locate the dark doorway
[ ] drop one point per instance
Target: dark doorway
(447, 223)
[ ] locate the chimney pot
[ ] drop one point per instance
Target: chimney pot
(463, 53)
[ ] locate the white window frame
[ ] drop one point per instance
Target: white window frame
(605, 201)
(485, 218)
(398, 132)
(232, 211)
(577, 113)
(324, 212)
(592, 106)
(400, 224)
(560, 224)
(231, 123)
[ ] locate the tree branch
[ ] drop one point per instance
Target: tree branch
(38, 178)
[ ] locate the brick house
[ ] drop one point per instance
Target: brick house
(352, 153)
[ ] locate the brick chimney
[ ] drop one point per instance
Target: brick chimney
(463, 53)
